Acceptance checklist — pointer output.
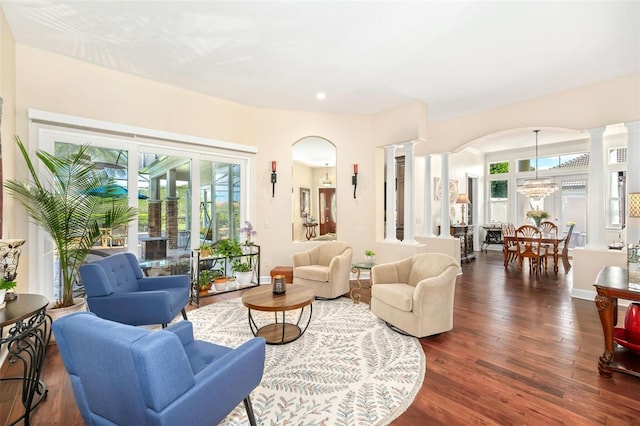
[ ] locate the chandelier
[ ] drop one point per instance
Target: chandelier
(326, 180)
(537, 189)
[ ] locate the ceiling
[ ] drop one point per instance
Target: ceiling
(458, 57)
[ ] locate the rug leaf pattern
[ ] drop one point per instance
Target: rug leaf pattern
(348, 368)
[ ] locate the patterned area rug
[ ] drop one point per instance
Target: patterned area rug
(348, 368)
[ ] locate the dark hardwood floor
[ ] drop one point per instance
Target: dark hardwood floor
(522, 351)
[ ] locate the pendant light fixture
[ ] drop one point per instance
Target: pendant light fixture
(537, 188)
(326, 181)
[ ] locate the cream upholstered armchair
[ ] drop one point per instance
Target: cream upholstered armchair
(325, 268)
(415, 295)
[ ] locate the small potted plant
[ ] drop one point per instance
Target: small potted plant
(243, 270)
(205, 250)
(248, 232)
(369, 256)
(220, 281)
(4, 287)
(205, 280)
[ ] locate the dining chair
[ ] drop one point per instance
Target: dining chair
(549, 229)
(529, 245)
(510, 250)
(565, 249)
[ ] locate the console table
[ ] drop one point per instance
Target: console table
(493, 235)
(26, 342)
(310, 230)
(465, 234)
(612, 283)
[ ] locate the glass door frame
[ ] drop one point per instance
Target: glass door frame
(43, 137)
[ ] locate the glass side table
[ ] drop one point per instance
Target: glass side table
(357, 268)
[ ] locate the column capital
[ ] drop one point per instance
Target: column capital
(596, 131)
(632, 126)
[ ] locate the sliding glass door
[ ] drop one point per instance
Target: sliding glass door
(155, 177)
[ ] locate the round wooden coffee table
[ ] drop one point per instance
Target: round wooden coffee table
(281, 332)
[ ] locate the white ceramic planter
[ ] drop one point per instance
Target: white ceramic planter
(244, 278)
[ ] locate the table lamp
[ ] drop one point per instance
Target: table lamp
(464, 200)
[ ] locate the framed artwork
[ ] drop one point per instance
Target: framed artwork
(453, 190)
(305, 201)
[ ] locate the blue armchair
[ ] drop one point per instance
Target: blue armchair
(117, 290)
(127, 375)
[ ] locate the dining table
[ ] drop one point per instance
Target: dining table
(546, 239)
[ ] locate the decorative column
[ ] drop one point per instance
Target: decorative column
(427, 229)
(596, 214)
(409, 178)
(172, 210)
(155, 218)
(633, 175)
(154, 209)
(390, 210)
(445, 223)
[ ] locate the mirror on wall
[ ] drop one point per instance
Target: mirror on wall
(314, 204)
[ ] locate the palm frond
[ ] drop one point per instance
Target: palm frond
(67, 207)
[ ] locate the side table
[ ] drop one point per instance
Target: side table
(280, 331)
(357, 268)
(612, 283)
(493, 235)
(26, 342)
(310, 230)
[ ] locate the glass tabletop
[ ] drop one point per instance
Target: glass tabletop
(363, 265)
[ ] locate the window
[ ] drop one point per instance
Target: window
(616, 213)
(573, 193)
(498, 200)
(498, 168)
(554, 162)
(219, 200)
(618, 155)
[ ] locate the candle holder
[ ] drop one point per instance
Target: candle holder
(279, 286)
(274, 179)
(354, 179)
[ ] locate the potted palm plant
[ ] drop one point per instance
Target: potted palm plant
(71, 201)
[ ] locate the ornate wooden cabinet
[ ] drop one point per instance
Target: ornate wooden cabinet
(465, 234)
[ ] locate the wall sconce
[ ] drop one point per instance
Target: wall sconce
(634, 204)
(274, 179)
(464, 200)
(354, 179)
